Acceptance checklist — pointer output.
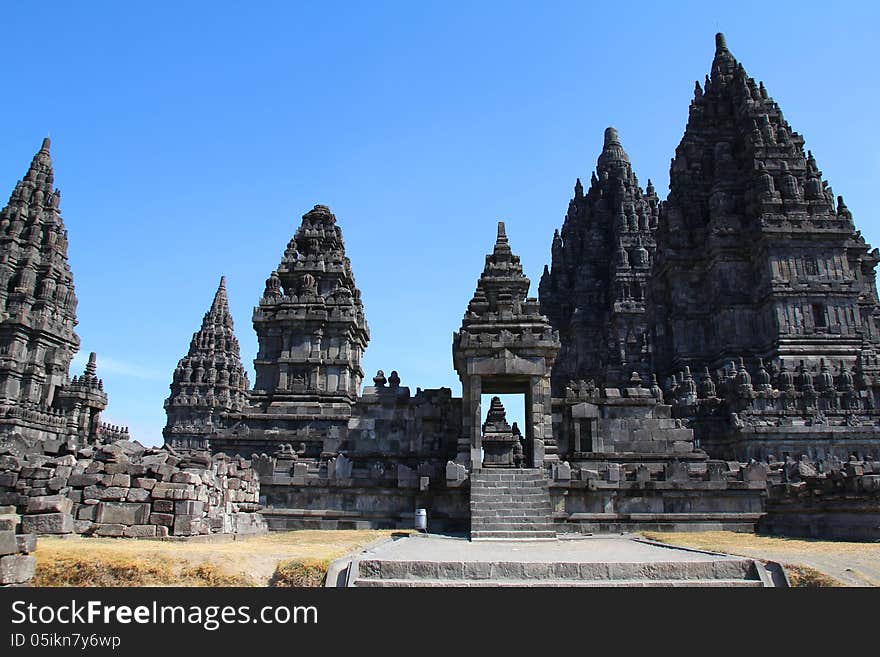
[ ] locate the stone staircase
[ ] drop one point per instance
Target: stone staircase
(510, 504)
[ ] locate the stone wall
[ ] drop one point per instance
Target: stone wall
(824, 499)
(16, 563)
(125, 489)
(675, 495)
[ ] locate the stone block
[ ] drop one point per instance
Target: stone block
(144, 482)
(163, 506)
(16, 569)
(455, 472)
(121, 479)
(300, 472)
(27, 543)
(8, 544)
(562, 471)
(186, 478)
(185, 525)
(140, 531)
(87, 512)
(82, 480)
(82, 526)
(49, 504)
(109, 530)
(123, 513)
(613, 473)
(57, 483)
(8, 479)
(189, 507)
(47, 523)
(166, 519)
(137, 495)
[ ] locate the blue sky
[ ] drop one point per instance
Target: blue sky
(189, 138)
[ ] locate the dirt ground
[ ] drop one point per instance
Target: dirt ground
(853, 564)
(247, 561)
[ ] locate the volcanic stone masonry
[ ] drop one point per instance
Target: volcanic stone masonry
(125, 489)
(704, 362)
(682, 354)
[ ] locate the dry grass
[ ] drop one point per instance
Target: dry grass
(251, 561)
(804, 576)
(309, 573)
(808, 562)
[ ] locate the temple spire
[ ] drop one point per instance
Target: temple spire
(220, 306)
(613, 156)
(209, 381)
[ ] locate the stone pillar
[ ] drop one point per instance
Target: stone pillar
(476, 416)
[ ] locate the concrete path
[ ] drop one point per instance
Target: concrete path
(619, 560)
(589, 549)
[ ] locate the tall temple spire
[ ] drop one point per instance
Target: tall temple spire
(36, 288)
(594, 292)
(751, 242)
(37, 320)
(209, 382)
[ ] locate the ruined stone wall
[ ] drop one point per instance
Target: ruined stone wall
(16, 563)
(124, 489)
(824, 499)
(675, 495)
(391, 461)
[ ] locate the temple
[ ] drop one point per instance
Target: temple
(762, 288)
(594, 292)
(707, 361)
(680, 356)
(209, 381)
(39, 401)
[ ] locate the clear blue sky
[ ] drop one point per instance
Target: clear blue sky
(189, 138)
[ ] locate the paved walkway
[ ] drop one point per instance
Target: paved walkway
(587, 549)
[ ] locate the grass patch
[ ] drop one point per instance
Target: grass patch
(298, 573)
(115, 571)
(793, 553)
(248, 561)
(804, 576)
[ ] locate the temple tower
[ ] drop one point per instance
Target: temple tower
(37, 299)
(594, 292)
(505, 345)
(209, 381)
(755, 256)
(312, 334)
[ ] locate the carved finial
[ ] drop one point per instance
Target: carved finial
(46, 143)
(611, 136)
(720, 42)
(578, 189)
(92, 365)
(502, 234)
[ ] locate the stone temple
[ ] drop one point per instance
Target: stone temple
(707, 361)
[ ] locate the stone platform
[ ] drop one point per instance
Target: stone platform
(600, 561)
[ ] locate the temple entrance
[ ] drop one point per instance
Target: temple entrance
(503, 443)
(505, 347)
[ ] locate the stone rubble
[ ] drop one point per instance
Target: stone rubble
(123, 489)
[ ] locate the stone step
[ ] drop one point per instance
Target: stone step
(506, 478)
(686, 571)
(512, 535)
(562, 583)
(529, 511)
(510, 520)
(508, 484)
(529, 494)
(514, 530)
